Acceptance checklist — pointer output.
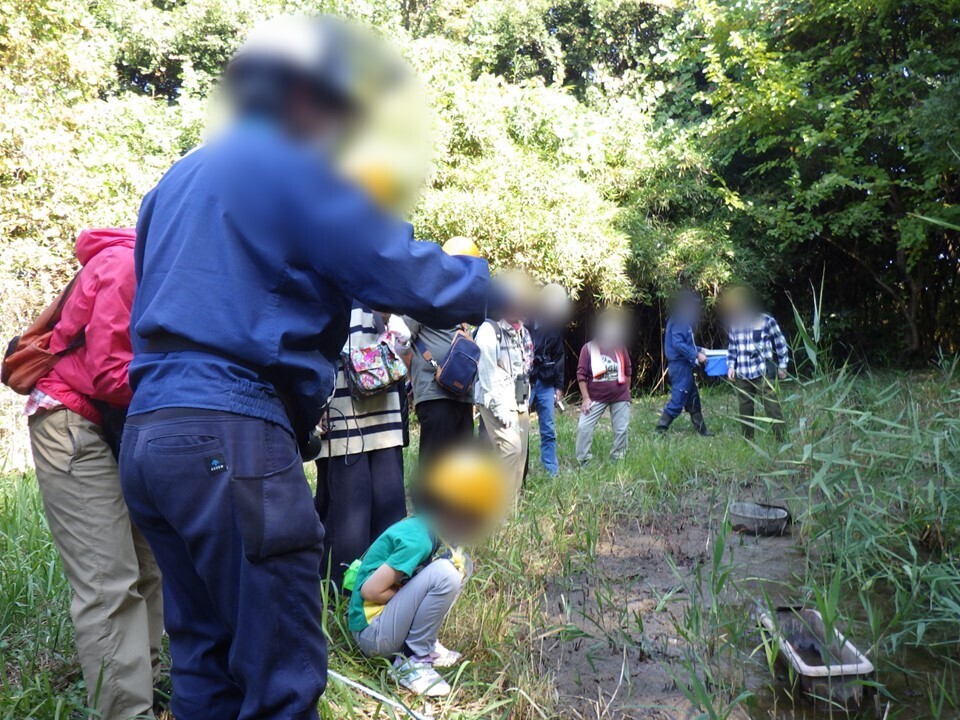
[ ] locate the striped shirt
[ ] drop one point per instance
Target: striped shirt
(356, 426)
(752, 346)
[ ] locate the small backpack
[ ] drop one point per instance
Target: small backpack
(457, 371)
(28, 357)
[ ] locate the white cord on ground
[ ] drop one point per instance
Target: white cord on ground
(376, 696)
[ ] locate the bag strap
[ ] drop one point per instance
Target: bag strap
(424, 352)
(422, 349)
(378, 323)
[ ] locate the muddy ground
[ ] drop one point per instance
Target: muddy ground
(615, 649)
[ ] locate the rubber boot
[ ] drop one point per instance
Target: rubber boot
(700, 424)
(664, 423)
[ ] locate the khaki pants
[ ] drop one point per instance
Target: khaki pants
(511, 443)
(117, 608)
(748, 391)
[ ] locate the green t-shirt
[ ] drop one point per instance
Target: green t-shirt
(404, 546)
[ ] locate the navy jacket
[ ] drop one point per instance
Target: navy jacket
(678, 344)
(548, 356)
(249, 252)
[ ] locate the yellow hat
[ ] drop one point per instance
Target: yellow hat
(460, 245)
(469, 481)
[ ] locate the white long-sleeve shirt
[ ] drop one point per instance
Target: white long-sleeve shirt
(500, 364)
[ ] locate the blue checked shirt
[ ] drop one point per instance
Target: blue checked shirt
(752, 346)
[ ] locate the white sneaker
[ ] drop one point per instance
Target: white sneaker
(444, 657)
(419, 677)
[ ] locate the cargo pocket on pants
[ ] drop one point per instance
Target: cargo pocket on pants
(276, 513)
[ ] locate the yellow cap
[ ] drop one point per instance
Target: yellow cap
(468, 481)
(460, 245)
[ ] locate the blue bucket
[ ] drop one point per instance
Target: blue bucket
(716, 363)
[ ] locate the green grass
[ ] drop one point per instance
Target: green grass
(869, 470)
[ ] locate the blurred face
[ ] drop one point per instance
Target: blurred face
(319, 126)
(518, 290)
(457, 528)
(690, 309)
(738, 306)
(552, 305)
(611, 330)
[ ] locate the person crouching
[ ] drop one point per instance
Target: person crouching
(411, 576)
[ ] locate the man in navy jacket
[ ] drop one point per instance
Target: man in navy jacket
(249, 251)
(683, 355)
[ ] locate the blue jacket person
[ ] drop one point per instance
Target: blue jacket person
(249, 251)
(683, 355)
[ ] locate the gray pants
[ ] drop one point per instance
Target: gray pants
(620, 418)
(415, 614)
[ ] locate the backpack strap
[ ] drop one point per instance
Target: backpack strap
(497, 330)
(64, 296)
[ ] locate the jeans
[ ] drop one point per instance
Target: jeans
(684, 395)
(224, 503)
(358, 497)
(619, 417)
(542, 402)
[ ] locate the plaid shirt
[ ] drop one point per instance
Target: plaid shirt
(752, 346)
(38, 401)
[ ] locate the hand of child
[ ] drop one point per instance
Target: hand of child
(731, 374)
(782, 374)
(459, 560)
(701, 358)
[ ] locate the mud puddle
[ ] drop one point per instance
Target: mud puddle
(614, 648)
(613, 645)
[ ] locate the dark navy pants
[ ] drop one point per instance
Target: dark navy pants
(684, 395)
(224, 503)
(358, 497)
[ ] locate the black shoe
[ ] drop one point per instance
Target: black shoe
(663, 424)
(700, 424)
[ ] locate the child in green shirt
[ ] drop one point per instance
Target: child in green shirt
(411, 576)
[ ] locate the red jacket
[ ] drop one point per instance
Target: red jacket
(99, 306)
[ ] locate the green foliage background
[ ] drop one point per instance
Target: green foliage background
(621, 148)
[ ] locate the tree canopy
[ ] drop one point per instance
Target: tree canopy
(621, 148)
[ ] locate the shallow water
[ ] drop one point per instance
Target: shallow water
(905, 696)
